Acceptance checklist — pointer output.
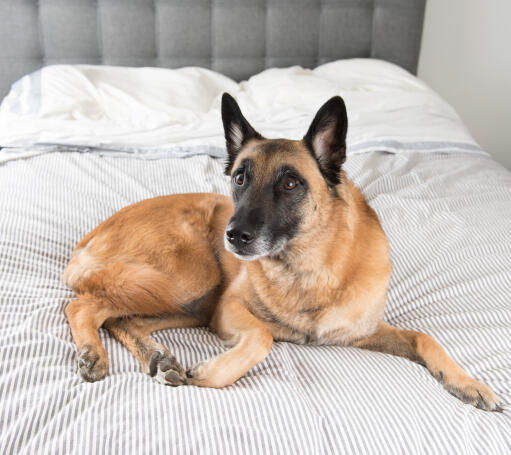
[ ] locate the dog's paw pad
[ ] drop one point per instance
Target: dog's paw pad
(92, 365)
(166, 369)
(477, 394)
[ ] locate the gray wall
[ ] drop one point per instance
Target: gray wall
(466, 58)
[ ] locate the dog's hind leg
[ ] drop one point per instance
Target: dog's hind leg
(120, 289)
(156, 360)
(85, 315)
(423, 349)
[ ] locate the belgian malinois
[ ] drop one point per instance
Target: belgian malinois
(298, 256)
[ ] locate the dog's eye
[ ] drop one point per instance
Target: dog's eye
(290, 183)
(239, 179)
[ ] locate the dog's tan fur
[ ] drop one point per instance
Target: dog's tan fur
(161, 263)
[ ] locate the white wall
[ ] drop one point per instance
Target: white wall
(466, 58)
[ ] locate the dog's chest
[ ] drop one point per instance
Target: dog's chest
(307, 305)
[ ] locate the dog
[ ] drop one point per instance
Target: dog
(297, 255)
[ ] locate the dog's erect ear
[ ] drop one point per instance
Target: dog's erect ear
(326, 138)
(237, 130)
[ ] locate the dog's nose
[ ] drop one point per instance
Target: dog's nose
(236, 236)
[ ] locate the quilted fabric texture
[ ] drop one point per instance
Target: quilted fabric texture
(236, 37)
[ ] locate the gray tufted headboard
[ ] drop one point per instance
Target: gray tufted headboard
(236, 37)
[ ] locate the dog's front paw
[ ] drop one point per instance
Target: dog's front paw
(208, 374)
(166, 369)
(92, 364)
(476, 393)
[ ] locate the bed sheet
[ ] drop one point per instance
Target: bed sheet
(448, 219)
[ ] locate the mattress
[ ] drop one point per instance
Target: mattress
(447, 214)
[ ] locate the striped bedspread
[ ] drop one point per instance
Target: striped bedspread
(448, 218)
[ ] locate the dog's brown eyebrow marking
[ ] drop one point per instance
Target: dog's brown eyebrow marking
(286, 169)
(246, 164)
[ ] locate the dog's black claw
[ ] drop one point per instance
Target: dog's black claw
(498, 408)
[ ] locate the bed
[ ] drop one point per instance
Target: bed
(80, 142)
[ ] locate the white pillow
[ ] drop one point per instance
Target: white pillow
(154, 112)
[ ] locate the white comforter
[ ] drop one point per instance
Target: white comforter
(447, 214)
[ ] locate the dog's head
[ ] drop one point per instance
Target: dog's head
(279, 185)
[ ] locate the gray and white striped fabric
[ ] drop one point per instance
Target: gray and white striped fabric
(448, 218)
